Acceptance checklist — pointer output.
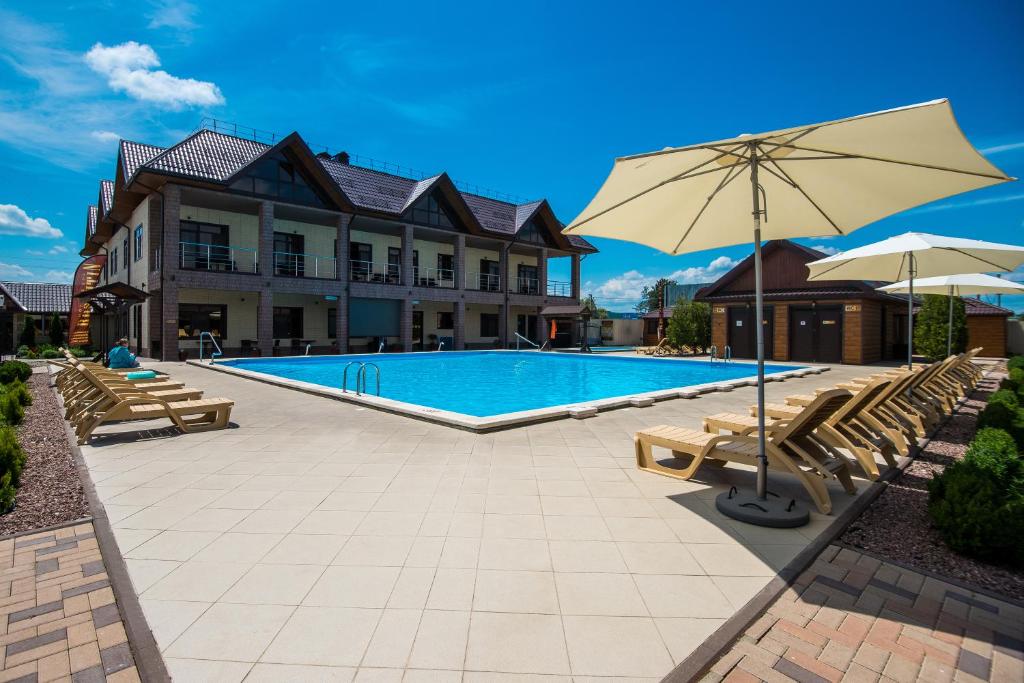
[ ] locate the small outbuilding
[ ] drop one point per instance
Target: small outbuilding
(35, 300)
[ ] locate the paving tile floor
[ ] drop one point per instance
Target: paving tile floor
(60, 621)
(853, 617)
(321, 539)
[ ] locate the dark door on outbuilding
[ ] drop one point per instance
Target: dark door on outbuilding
(816, 334)
(742, 337)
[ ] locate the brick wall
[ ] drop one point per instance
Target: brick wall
(853, 351)
(719, 323)
(780, 341)
(988, 332)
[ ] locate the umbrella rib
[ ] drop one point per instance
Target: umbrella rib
(655, 187)
(846, 155)
(725, 181)
(806, 196)
(994, 265)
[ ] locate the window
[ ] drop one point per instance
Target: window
(278, 177)
(112, 261)
(288, 254)
(196, 318)
(431, 210)
(490, 280)
(138, 242)
(445, 320)
(488, 324)
(287, 322)
(137, 322)
(528, 283)
(394, 265)
(124, 252)
(445, 266)
(204, 246)
(531, 232)
(360, 256)
(332, 323)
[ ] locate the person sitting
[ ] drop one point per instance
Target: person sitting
(121, 357)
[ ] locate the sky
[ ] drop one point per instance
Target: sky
(535, 99)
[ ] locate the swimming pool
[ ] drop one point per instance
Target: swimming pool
(493, 384)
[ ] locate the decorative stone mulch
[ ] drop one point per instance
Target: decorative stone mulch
(59, 618)
(897, 527)
(51, 492)
(853, 617)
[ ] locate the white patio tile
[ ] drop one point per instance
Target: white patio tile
(231, 632)
(270, 521)
(440, 640)
(202, 581)
(210, 519)
(452, 589)
(599, 594)
(236, 547)
(168, 619)
(683, 596)
(182, 669)
(515, 591)
(305, 549)
(327, 522)
(273, 584)
(507, 553)
(615, 646)
(274, 673)
(516, 643)
(730, 559)
(173, 545)
(353, 587)
(683, 635)
(392, 640)
(323, 636)
(375, 551)
(586, 556)
(659, 558)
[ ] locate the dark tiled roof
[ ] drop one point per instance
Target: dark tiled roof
(90, 221)
(135, 154)
(208, 156)
(369, 189)
(525, 211)
(494, 215)
(852, 292)
(39, 297)
(106, 196)
(972, 307)
(417, 191)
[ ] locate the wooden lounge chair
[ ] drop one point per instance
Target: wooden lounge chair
(653, 350)
(790, 447)
(851, 427)
(119, 404)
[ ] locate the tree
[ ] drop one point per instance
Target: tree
(28, 334)
(591, 303)
(931, 326)
(650, 297)
(690, 325)
(56, 330)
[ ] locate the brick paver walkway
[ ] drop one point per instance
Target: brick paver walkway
(60, 621)
(852, 617)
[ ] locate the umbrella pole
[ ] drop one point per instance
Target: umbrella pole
(949, 327)
(910, 317)
(759, 509)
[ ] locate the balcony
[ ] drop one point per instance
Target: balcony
(434, 277)
(485, 282)
(527, 285)
(367, 271)
(287, 264)
(215, 257)
(559, 288)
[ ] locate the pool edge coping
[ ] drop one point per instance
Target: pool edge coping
(504, 420)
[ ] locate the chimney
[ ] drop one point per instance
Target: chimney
(341, 157)
(323, 155)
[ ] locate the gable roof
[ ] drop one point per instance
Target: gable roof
(972, 307)
(106, 196)
(90, 221)
(134, 154)
(206, 155)
(39, 297)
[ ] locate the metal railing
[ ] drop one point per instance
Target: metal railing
(361, 373)
(521, 337)
(527, 285)
(434, 277)
(197, 256)
(289, 264)
(213, 354)
(485, 282)
(367, 271)
(559, 288)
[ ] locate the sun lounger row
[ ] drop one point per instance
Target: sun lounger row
(819, 438)
(94, 395)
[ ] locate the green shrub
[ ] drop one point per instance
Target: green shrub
(1015, 382)
(78, 352)
(977, 504)
(18, 390)
(690, 325)
(28, 333)
(11, 410)
(51, 353)
(12, 457)
(1004, 412)
(12, 370)
(23, 351)
(7, 493)
(1015, 363)
(931, 327)
(56, 330)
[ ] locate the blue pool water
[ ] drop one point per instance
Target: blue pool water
(488, 383)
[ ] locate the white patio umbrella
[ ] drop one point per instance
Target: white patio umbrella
(956, 285)
(822, 179)
(912, 255)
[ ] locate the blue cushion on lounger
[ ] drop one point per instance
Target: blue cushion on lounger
(141, 374)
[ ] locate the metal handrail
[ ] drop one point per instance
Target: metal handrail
(713, 352)
(559, 288)
(215, 354)
(443, 278)
(368, 271)
(519, 336)
(344, 377)
(527, 285)
(296, 263)
(380, 349)
(362, 373)
(727, 356)
(484, 282)
(203, 256)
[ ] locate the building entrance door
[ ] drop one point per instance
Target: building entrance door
(742, 337)
(830, 334)
(417, 330)
(801, 334)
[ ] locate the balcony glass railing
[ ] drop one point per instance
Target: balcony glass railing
(485, 282)
(196, 256)
(559, 288)
(434, 277)
(287, 264)
(367, 271)
(527, 285)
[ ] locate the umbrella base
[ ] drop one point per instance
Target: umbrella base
(771, 512)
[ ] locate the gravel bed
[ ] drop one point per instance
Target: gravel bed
(51, 491)
(897, 526)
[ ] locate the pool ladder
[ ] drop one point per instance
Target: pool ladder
(361, 372)
(726, 357)
(213, 354)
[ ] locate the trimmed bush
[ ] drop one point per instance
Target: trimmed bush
(12, 457)
(7, 493)
(11, 411)
(51, 353)
(1015, 363)
(18, 390)
(977, 504)
(56, 330)
(78, 352)
(28, 333)
(12, 370)
(1004, 412)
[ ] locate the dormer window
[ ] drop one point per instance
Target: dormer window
(276, 177)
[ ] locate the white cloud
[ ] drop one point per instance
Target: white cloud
(173, 14)
(59, 249)
(969, 204)
(629, 286)
(997, 149)
(129, 68)
(14, 221)
(59, 276)
(104, 136)
(13, 270)
(831, 251)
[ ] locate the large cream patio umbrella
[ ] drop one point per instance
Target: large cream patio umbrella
(912, 255)
(822, 179)
(953, 286)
